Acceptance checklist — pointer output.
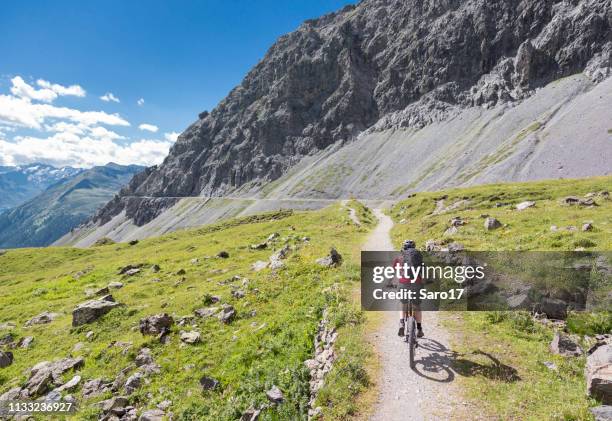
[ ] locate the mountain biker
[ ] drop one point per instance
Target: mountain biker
(413, 257)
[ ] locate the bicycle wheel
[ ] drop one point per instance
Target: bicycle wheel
(411, 335)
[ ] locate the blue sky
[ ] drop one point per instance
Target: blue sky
(180, 57)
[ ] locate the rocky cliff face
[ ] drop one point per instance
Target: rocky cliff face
(380, 64)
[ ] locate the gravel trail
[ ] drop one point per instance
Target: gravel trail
(427, 392)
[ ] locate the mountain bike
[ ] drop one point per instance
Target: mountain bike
(410, 333)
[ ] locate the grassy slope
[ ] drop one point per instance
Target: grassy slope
(247, 356)
(532, 391)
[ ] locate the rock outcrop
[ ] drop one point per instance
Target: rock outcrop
(377, 65)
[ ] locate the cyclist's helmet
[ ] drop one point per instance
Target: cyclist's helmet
(408, 244)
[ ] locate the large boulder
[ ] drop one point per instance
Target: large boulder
(275, 395)
(92, 310)
(564, 345)
(45, 375)
(156, 325)
(598, 373)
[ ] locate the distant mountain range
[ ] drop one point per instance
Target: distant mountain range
(71, 197)
(21, 183)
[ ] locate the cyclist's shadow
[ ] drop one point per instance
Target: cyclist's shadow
(435, 366)
(441, 364)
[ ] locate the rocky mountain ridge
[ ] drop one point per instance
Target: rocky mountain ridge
(381, 65)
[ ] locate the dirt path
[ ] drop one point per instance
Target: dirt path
(427, 392)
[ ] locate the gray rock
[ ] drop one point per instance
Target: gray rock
(553, 308)
(11, 395)
(164, 405)
(115, 285)
(250, 414)
(259, 265)
(525, 205)
(223, 254)
(519, 301)
(206, 312)
(95, 387)
(598, 373)
(238, 294)
(602, 413)
(92, 310)
(124, 270)
(227, 314)
(191, 337)
(491, 223)
(156, 324)
(46, 374)
(70, 385)
(551, 366)
(6, 359)
(564, 345)
(333, 259)
(133, 383)
(42, 318)
(7, 339)
(53, 396)
(259, 246)
(115, 405)
(587, 227)
(451, 231)
(455, 247)
(208, 383)
(275, 395)
(132, 272)
(152, 415)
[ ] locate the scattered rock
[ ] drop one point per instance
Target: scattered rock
(7, 339)
(132, 272)
(451, 231)
(525, 205)
(564, 345)
(273, 236)
(124, 270)
(155, 268)
(519, 301)
(455, 247)
(333, 259)
(115, 405)
(206, 312)
(42, 318)
(90, 335)
(491, 223)
(598, 373)
(223, 254)
(70, 385)
(238, 294)
(553, 308)
(25, 342)
(208, 383)
(6, 359)
(11, 395)
(133, 383)
(191, 337)
(259, 246)
(157, 324)
(457, 222)
(432, 245)
(259, 265)
(554, 228)
(570, 200)
(164, 405)
(587, 227)
(92, 310)
(227, 314)
(115, 285)
(45, 374)
(602, 412)
(250, 414)
(133, 242)
(152, 415)
(95, 387)
(550, 365)
(275, 395)
(181, 272)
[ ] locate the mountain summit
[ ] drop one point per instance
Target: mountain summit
(452, 88)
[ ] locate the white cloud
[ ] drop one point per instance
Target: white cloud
(48, 93)
(21, 89)
(148, 127)
(107, 97)
(172, 136)
(21, 112)
(73, 90)
(140, 102)
(66, 148)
